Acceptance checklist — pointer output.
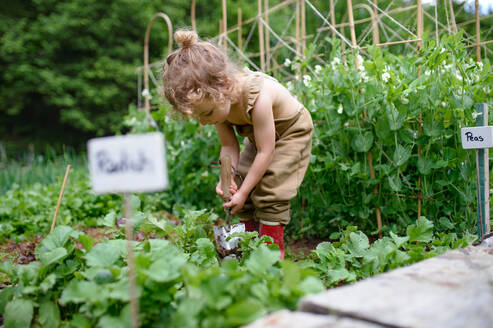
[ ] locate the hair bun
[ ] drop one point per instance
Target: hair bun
(186, 38)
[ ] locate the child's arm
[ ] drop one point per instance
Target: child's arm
(264, 132)
(229, 146)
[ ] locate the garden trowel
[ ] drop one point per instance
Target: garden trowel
(221, 233)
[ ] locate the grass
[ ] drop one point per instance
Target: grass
(30, 167)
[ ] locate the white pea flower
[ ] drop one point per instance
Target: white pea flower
(360, 59)
(442, 50)
(415, 135)
(340, 109)
(427, 72)
(444, 104)
(385, 77)
(365, 77)
(307, 80)
(458, 76)
(405, 101)
(287, 62)
(336, 61)
(146, 93)
(480, 65)
(476, 114)
(318, 68)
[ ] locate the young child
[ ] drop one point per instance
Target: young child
(200, 82)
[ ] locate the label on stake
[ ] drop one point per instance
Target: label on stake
(126, 164)
(477, 137)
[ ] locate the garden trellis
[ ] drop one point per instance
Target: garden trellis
(389, 26)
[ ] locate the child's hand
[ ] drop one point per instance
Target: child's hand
(233, 188)
(236, 203)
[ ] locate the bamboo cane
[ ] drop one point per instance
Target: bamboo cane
(332, 17)
(261, 35)
(267, 35)
(478, 37)
(192, 14)
(374, 19)
(420, 45)
(240, 36)
(303, 28)
(452, 16)
(225, 24)
(60, 196)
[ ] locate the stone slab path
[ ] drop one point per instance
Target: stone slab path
(451, 290)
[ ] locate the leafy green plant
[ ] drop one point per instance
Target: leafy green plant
(353, 257)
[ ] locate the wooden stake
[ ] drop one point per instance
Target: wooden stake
(225, 25)
(452, 16)
(332, 17)
(134, 301)
(267, 34)
(483, 174)
(60, 196)
(261, 35)
(303, 28)
(240, 33)
(192, 15)
(298, 41)
(374, 19)
(478, 32)
(419, 29)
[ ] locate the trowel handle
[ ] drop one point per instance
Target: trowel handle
(226, 176)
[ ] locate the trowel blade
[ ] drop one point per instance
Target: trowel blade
(221, 233)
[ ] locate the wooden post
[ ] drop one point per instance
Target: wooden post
(240, 33)
(192, 15)
(303, 28)
(267, 35)
(483, 174)
(478, 32)
(369, 153)
(419, 31)
(60, 196)
(146, 56)
(225, 25)
(298, 43)
(260, 35)
(332, 17)
(452, 17)
(134, 301)
(375, 18)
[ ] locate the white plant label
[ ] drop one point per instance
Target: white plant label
(477, 137)
(125, 164)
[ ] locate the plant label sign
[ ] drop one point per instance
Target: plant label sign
(477, 137)
(125, 164)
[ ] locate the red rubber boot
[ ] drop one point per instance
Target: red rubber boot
(276, 232)
(250, 225)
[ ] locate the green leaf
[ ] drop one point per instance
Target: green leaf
(424, 165)
(48, 283)
(395, 182)
(18, 314)
(311, 285)
(102, 255)
(261, 259)
(362, 142)
(421, 231)
(53, 256)
(57, 238)
(167, 268)
(401, 155)
(109, 219)
(244, 312)
(49, 315)
(399, 241)
(358, 244)
(81, 292)
(340, 274)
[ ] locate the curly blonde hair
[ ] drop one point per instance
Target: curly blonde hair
(196, 71)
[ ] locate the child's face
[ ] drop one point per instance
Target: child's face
(209, 112)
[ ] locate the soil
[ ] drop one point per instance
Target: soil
(302, 248)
